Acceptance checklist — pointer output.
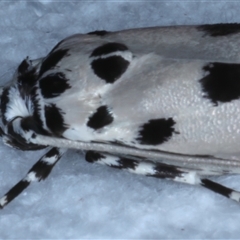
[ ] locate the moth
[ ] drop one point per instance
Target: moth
(163, 102)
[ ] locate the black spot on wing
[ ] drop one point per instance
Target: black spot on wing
(41, 170)
(221, 29)
(52, 60)
(108, 48)
(27, 77)
(92, 156)
(101, 118)
(156, 131)
(222, 82)
(54, 119)
(53, 85)
(4, 103)
(110, 69)
(98, 33)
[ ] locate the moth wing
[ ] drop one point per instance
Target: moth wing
(217, 42)
(166, 98)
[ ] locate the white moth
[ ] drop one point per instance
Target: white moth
(162, 102)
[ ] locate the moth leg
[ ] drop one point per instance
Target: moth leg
(39, 171)
(218, 188)
(143, 167)
(160, 170)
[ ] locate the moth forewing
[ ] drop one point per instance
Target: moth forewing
(162, 102)
(174, 42)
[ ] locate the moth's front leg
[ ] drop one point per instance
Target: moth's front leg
(38, 172)
(159, 170)
(19, 133)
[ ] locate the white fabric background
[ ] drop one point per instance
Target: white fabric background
(82, 200)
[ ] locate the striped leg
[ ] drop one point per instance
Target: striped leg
(218, 188)
(38, 172)
(160, 170)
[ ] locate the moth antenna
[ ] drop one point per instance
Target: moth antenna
(39, 171)
(170, 158)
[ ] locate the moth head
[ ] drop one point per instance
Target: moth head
(17, 123)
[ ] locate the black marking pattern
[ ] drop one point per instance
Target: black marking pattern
(23, 67)
(222, 29)
(53, 85)
(15, 191)
(13, 134)
(29, 123)
(160, 170)
(1, 132)
(92, 156)
(156, 131)
(216, 187)
(98, 33)
(110, 69)
(222, 83)
(36, 106)
(157, 170)
(27, 78)
(108, 48)
(22, 146)
(42, 168)
(118, 162)
(38, 172)
(53, 59)
(54, 119)
(4, 103)
(101, 118)
(126, 163)
(16, 140)
(166, 171)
